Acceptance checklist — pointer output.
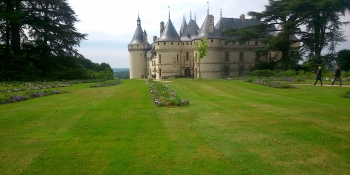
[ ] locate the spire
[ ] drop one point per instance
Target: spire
(208, 8)
(195, 17)
(183, 25)
(138, 35)
(138, 18)
(169, 11)
(220, 12)
(190, 15)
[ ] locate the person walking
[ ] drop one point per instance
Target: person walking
(318, 75)
(337, 75)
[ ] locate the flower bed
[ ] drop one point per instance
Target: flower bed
(104, 84)
(17, 87)
(165, 96)
(28, 95)
(268, 82)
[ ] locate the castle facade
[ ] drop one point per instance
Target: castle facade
(174, 53)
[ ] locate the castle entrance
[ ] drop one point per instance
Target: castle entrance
(187, 72)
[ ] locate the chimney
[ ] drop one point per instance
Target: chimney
(242, 17)
(154, 38)
(161, 27)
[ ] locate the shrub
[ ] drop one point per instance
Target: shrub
(289, 73)
(347, 94)
(262, 73)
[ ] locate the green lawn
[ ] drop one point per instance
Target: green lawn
(230, 127)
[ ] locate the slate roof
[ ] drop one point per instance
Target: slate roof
(138, 35)
(183, 26)
(203, 32)
(190, 31)
(169, 33)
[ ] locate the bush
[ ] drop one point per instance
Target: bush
(289, 73)
(347, 94)
(262, 73)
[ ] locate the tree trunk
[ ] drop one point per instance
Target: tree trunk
(15, 28)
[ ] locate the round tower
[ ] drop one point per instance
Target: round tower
(210, 66)
(168, 48)
(137, 53)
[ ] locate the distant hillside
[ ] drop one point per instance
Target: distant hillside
(121, 69)
(121, 73)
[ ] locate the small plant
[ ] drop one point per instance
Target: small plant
(347, 94)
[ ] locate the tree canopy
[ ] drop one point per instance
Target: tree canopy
(40, 41)
(315, 24)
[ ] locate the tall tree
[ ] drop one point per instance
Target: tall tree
(343, 59)
(323, 25)
(51, 27)
(276, 39)
(320, 18)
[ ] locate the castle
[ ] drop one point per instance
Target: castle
(174, 54)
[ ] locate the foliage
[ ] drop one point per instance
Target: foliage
(40, 40)
(262, 73)
(347, 94)
(28, 95)
(122, 75)
(321, 21)
(164, 96)
(343, 59)
(105, 84)
(269, 82)
(202, 50)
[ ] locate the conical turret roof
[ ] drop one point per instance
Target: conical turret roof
(138, 35)
(169, 33)
(190, 31)
(183, 26)
(204, 31)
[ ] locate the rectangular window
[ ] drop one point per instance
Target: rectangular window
(164, 43)
(195, 55)
(227, 56)
(160, 58)
(256, 43)
(187, 55)
(177, 58)
(227, 71)
(241, 56)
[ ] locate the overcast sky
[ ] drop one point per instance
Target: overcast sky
(110, 24)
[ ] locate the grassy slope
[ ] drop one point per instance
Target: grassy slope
(230, 127)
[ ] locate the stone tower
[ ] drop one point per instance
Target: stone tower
(208, 65)
(137, 53)
(168, 49)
